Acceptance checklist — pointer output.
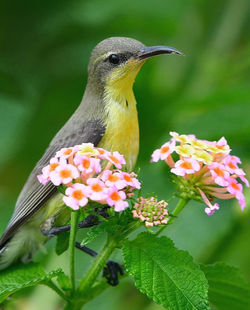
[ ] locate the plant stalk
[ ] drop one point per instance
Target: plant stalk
(180, 206)
(98, 264)
(52, 285)
(72, 239)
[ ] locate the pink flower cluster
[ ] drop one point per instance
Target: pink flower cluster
(151, 211)
(207, 167)
(90, 173)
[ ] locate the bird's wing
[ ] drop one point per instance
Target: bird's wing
(34, 195)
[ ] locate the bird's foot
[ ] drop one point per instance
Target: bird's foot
(50, 231)
(112, 269)
(102, 212)
(111, 272)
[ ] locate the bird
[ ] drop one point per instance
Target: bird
(106, 117)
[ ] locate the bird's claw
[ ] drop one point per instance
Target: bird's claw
(111, 271)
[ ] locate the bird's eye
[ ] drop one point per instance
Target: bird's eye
(114, 59)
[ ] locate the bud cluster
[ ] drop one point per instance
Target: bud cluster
(151, 211)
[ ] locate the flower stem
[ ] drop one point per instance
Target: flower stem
(97, 265)
(52, 285)
(96, 290)
(88, 287)
(72, 239)
(180, 206)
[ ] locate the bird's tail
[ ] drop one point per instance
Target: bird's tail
(21, 246)
(5, 259)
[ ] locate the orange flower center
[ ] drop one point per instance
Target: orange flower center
(235, 186)
(164, 149)
(220, 147)
(53, 166)
(78, 195)
(115, 196)
(127, 178)
(113, 178)
(67, 152)
(219, 172)
(64, 174)
(114, 159)
(96, 187)
(231, 165)
(186, 165)
(86, 163)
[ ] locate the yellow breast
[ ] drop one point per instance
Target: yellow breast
(122, 130)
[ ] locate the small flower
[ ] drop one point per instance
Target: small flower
(162, 153)
(203, 156)
(231, 163)
(103, 154)
(53, 164)
(113, 179)
(199, 144)
(210, 209)
(244, 180)
(116, 198)
(236, 188)
(44, 178)
(218, 171)
(67, 152)
(64, 174)
(182, 138)
(76, 195)
(186, 166)
(88, 149)
(222, 142)
(98, 190)
(151, 211)
(185, 150)
(130, 179)
(87, 164)
(212, 149)
(223, 146)
(116, 159)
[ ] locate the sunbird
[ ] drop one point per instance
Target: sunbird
(106, 117)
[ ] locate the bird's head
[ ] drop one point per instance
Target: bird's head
(115, 62)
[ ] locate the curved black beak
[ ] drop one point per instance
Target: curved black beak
(149, 51)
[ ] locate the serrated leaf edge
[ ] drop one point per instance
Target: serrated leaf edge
(206, 286)
(48, 276)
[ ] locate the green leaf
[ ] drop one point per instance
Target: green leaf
(116, 222)
(64, 281)
(62, 242)
(21, 276)
(165, 274)
(94, 232)
(228, 289)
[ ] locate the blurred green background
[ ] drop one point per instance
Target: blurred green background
(44, 51)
